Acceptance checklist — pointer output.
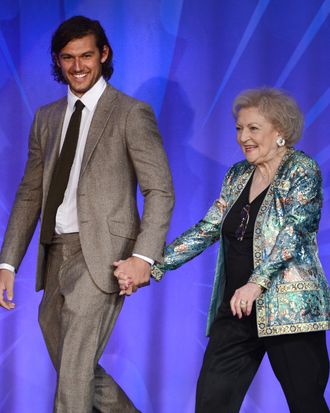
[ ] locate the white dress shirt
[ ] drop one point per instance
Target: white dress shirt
(67, 216)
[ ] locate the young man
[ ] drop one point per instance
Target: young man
(85, 160)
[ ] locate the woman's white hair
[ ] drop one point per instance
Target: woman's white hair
(278, 107)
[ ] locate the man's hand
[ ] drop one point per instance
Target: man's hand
(132, 273)
(7, 285)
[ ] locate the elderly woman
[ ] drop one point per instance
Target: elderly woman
(270, 293)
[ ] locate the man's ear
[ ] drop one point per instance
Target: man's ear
(105, 53)
(56, 59)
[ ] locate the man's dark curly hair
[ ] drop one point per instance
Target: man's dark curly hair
(75, 28)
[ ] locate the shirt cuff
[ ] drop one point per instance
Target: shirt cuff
(149, 260)
(4, 266)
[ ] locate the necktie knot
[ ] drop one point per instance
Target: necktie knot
(79, 105)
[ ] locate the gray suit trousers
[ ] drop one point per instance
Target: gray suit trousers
(76, 319)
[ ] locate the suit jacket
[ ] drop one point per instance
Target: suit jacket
(285, 253)
(123, 148)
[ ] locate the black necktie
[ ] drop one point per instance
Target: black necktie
(61, 174)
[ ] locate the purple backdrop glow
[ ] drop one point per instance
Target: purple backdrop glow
(189, 59)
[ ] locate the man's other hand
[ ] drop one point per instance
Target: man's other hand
(7, 289)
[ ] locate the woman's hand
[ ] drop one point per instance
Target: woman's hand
(243, 299)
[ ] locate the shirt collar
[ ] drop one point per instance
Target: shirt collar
(90, 98)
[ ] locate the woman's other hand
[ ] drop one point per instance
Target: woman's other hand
(243, 299)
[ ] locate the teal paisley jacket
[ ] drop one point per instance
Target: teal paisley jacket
(286, 262)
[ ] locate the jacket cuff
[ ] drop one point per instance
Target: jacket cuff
(264, 282)
(156, 273)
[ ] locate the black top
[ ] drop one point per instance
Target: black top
(239, 253)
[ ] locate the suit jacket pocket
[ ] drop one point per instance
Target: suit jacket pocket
(123, 229)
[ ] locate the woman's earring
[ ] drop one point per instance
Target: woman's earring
(280, 141)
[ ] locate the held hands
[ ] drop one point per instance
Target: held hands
(7, 285)
(132, 273)
(243, 299)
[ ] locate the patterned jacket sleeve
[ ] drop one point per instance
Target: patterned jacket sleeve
(301, 219)
(192, 242)
(197, 238)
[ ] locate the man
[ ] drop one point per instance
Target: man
(86, 154)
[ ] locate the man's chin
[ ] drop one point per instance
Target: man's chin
(79, 91)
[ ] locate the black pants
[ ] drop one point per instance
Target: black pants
(234, 353)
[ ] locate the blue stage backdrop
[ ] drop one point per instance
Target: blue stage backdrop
(189, 59)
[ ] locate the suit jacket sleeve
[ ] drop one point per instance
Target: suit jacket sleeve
(151, 167)
(26, 210)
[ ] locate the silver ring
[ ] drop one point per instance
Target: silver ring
(243, 303)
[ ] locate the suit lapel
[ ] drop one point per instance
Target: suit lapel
(101, 116)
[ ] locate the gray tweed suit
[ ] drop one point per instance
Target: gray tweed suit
(123, 148)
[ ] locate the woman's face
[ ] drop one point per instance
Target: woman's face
(256, 136)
